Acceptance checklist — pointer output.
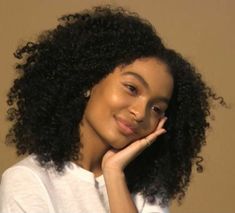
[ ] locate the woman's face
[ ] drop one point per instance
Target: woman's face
(128, 103)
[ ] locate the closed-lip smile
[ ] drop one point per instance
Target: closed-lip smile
(125, 127)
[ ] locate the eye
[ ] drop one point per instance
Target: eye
(131, 89)
(157, 110)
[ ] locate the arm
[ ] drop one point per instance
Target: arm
(113, 164)
(120, 199)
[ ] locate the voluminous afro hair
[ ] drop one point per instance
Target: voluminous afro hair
(46, 101)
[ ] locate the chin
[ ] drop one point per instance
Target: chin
(118, 146)
(121, 143)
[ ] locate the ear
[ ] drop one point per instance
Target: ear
(87, 94)
(93, 88)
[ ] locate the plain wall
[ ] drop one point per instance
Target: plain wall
(203, 31)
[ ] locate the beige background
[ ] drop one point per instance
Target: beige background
(201, 30)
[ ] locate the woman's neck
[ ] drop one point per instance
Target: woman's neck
(92, 150)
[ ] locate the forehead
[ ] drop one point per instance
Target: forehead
(152, 71)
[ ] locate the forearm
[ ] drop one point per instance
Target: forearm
(120, 199)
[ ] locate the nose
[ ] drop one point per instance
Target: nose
(138, 110)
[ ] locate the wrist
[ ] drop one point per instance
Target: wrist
(113, 173)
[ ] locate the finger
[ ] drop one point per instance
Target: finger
(152, 138)
(158, 130)
(161, 122)
(147, 141)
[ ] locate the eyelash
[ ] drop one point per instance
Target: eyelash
(157, 110)
(131, 89)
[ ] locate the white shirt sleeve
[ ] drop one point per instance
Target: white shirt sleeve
(145, 207)
(22, 191)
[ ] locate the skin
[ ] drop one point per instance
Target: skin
(124, 114)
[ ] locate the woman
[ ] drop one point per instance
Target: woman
(112, 119)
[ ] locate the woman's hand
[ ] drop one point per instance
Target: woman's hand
(117, 160)
(113, 164)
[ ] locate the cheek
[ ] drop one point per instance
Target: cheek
(150, 127)
(105, 103)
(116, 100)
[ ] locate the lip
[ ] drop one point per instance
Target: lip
(125, 127)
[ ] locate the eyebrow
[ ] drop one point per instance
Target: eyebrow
(139, 77)
(142, 80)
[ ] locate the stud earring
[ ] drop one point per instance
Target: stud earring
(87, 94)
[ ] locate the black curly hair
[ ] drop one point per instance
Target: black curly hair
(46, 101)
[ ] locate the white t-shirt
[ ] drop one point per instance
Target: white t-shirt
(27, 187)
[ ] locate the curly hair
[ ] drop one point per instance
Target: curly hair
(46, 101)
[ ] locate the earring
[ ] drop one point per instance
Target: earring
(87, 94)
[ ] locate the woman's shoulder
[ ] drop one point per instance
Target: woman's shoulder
(22, 185)
(27, 165)
(144, 206)
(27, 173)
